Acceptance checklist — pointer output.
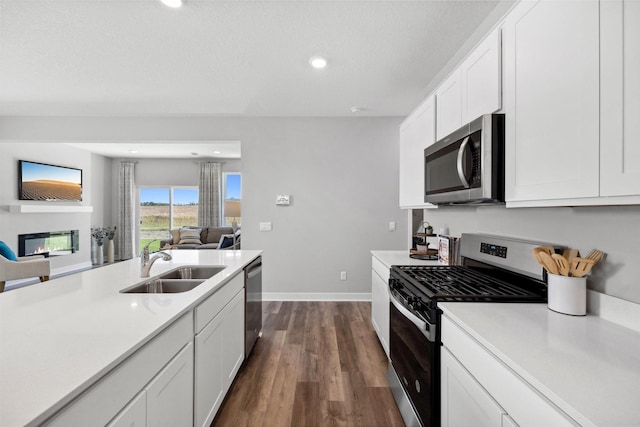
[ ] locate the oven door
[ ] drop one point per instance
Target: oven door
(415, 359)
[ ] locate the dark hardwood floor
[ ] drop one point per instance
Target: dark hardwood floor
(317, 364)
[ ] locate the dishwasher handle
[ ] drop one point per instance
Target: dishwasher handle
(254, 269)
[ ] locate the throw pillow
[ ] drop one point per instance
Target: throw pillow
(175, 235)
(6, 252)
(189, 236)
(226, 240)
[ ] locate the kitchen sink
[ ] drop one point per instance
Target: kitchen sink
(197, 272)
(163, 286)
(172, 281)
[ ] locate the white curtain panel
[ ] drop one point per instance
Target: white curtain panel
(126, 218)
(209, 195)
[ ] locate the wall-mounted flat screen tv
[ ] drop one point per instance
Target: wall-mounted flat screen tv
(39, 181)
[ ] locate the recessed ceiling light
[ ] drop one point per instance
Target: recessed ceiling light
(356, 109)
(194, 153)
(216, 152)
(133, 151)
(318, 62)
(172, 3)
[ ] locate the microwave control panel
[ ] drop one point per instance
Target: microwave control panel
(494, 250)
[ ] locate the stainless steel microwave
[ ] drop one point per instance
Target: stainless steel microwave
(467, 166)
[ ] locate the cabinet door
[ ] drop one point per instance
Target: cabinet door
(448, 106)
(134, 414)
(464, 401)
(551, 55)
(620, 98)
(170, 394)
(417, 132)
(233, 338)
(481, 79)
(209, 375)
(380, 309)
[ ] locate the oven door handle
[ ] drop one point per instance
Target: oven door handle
(427, 329)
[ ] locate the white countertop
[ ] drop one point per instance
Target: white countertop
(59, 337)
(390, 258)
(587, 366)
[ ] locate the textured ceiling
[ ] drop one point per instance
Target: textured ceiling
(237, 58)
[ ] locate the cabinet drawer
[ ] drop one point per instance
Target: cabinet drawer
(381, 269)
(99, 404)
(210, 307)
(521, 401)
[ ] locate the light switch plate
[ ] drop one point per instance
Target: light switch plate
(265, 226)
(392, 226)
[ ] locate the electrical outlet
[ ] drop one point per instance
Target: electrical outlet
(343, 275)
(392, 226)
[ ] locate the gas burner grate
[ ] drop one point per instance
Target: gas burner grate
(457, 283)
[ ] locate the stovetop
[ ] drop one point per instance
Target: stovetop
(458, 283)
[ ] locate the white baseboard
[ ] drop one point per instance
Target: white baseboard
(315, 296)
(616, 310)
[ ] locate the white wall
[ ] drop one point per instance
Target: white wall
(612, 229)
(95, 193)
(342, 175)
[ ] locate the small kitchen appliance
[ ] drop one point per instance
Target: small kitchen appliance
(467, 166)
(494, 269)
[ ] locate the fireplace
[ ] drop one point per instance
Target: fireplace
(54, 243)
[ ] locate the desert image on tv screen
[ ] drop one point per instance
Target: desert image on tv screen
(47, 182)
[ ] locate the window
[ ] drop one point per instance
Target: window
(162, 209)
(232, 196)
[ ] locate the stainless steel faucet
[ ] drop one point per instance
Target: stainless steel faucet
(146, 263)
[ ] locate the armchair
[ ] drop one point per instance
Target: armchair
(24, 267)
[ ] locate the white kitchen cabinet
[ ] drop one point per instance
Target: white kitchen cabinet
(481, 78)
(417, 132)
(551, 100)
(485, 383)
(449, 105)
(620, 97)
(170, 394)
(219, 349)
(464, 402)
(106, 400)
(380, 302)
(134, 414)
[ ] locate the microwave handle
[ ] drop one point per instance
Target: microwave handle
(461, 175)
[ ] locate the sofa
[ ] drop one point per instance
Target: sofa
(202, 238)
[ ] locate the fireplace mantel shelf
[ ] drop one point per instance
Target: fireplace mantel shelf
(53, 208)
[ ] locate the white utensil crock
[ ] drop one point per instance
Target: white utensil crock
(567, 295)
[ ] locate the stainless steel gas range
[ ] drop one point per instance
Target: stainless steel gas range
(494, 269)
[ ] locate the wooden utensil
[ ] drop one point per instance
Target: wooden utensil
(548, 249)
(581, 266)
(562, 263)
(596, 255)
(570, 254)
(548, 263)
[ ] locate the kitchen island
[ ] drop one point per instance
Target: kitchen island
(59, 338)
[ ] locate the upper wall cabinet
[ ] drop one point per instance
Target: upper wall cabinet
(473, 89)
(551, 98)
(620, 97)
(417, 132)
(449, 105)
(480, 79)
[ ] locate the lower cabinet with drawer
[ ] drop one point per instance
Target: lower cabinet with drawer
(152, 387)
(380, 302)
(478, 389)
(179, 378)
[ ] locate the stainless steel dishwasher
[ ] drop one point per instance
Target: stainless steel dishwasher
(253, 301)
